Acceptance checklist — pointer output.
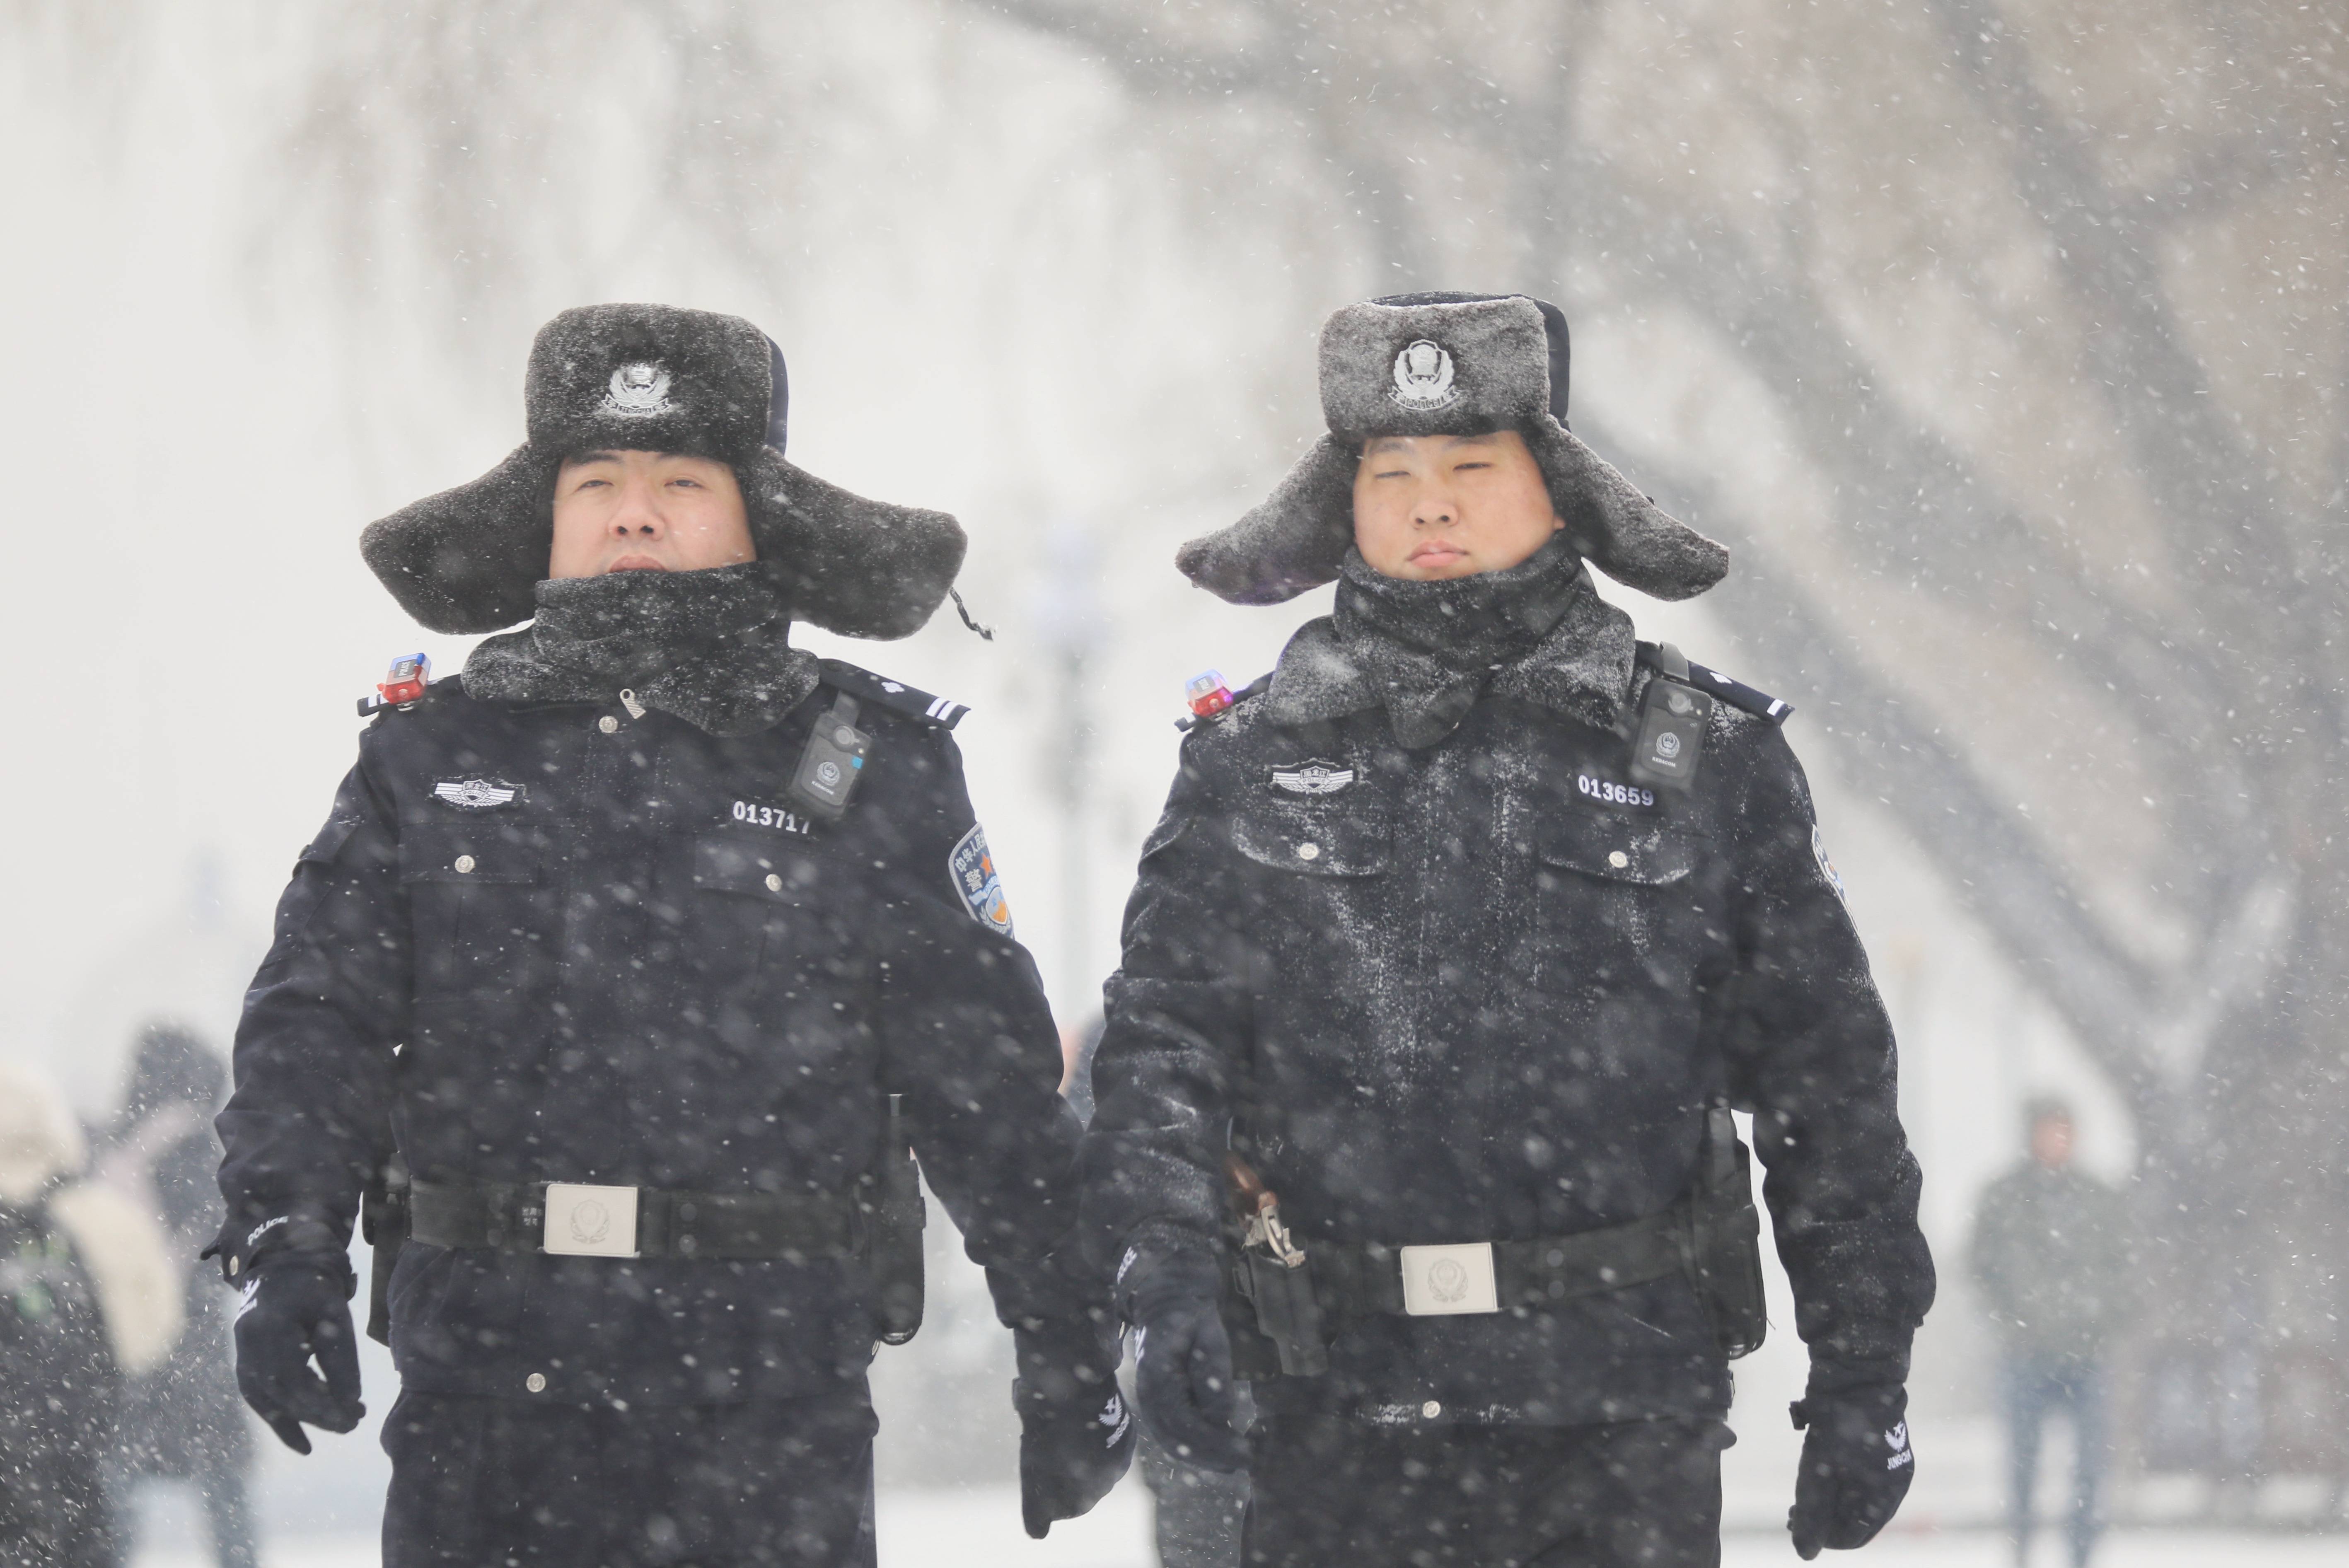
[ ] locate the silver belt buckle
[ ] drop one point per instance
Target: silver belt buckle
(1438, 1281)
(590, 1221)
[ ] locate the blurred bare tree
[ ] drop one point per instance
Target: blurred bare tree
(2003, 338)
(2044, 300)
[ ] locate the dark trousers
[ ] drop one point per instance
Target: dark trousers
(1333, 1493)
(1198, 1510)
(504, 1483)
(2036, 1385)
(227, 1499)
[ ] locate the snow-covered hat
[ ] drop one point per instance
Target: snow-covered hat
(652, 378)
(1446, 365)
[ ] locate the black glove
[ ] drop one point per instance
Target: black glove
(296, 1307)
(1076, 1435)
(1857, 1466)
(1181, 1358)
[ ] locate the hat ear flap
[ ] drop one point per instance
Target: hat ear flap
(1291, 542)
(1618, 529)
(860, 568)
(469, 559)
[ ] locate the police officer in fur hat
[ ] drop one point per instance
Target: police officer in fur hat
(1462, 936)
(646, 951)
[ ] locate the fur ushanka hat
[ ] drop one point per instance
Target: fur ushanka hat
(651, 378)
(1446, 365)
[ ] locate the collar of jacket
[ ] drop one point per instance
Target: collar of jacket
(727, 673)
(1582, 669)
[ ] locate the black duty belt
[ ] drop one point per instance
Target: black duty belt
(575, 1218)
(1360, 1278)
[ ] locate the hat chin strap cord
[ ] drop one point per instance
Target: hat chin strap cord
(964, 611)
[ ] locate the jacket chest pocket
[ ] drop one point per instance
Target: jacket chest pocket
(1620, 905)
(765, 905)
(1322, 888)
(482, 914)
(1325, 849)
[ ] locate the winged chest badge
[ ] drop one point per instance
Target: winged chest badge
(1312, 776)
(477, 794)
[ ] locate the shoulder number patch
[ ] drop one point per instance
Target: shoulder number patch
(976, 881)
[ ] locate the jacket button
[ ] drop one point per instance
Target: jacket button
(607, 724)
(1617, 859)
(774, 883)
(536, 1382)
(464, 863)
(1431, 1409)
(1309, 851)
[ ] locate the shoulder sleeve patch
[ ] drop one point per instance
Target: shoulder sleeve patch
(896, 695)
(976, 881)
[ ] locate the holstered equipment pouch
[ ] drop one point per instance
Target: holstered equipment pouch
(383, 1224)
(1725, 1239)
(895, 1216)
(1274, 1276)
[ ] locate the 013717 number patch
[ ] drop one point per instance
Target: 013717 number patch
(977, 882)
(759, 816)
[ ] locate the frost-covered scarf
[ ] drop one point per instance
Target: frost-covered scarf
(711, 648)
(1426, 651)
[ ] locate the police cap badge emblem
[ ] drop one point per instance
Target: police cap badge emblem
(638, 388)
(1422, 375)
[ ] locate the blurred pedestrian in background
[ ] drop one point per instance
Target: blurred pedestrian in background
(1197, 1512)
(2050, 1253)
(182, 1420)
(87, 1297)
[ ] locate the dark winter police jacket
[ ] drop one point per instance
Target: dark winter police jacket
(1484, 991)
(570, 942)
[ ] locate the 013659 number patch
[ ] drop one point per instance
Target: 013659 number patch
(1607, 792)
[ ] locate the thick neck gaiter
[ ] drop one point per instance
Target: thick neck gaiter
(629, 626)
(711, 648)
(1432, 647)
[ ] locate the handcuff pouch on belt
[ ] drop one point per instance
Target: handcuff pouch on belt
(1274, 1276)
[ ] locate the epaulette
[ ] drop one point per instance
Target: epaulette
(896, 695)
(1255, 687)
(404, 688)
(1668, 660)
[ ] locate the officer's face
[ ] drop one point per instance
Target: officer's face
(1428, 507)
(647, 512)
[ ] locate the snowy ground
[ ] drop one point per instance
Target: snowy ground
(980, 1527)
